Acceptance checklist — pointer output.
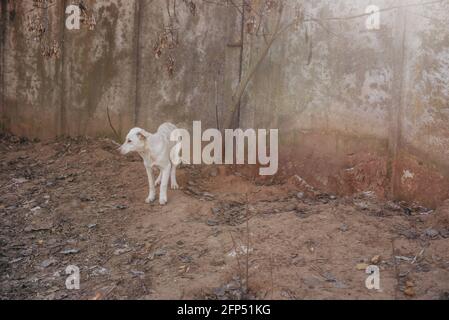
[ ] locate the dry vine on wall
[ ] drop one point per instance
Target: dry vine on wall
(167, 40)
(38, 25)
(260, 19)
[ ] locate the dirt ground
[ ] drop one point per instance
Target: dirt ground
(78, 202)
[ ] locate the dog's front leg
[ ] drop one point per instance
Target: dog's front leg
(152, 195)
(164, 184)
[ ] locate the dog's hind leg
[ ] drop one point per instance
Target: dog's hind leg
(164, 185)
(174, 183)
(152, 195)
(159, 179)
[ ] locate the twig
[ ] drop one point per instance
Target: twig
(110, 291)
(383, 10)
(216, 106)
(110, 124)
(419, 255)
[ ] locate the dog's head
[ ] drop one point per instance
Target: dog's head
(135, 141)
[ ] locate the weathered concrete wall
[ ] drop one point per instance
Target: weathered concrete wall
(205, 67)
(423, 160)
(115, 67)
(99, 71)
(31, 83)
(357, 109)
(332, 95)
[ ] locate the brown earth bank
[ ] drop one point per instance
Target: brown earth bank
(222, 236)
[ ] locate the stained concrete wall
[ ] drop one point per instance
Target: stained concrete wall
(357, 109)
(360, 109)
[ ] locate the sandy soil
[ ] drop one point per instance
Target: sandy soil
(78, 202)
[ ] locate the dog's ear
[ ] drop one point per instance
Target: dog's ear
(141, 136)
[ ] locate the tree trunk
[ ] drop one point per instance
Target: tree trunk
(252, 70)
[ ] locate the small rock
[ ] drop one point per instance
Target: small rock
(85, 198)
(160, 253)
(47, 263)
(220, 292)
(50, 183)
(185, 258)
(432, 233)
(410, 292)
(329, 277)
(300, 195)
(100, 271)
(290, 207)
(312, 282)
(410, 234)
(344, 227)
(444, 233)
(376, 259)
(180, 243)
(361, 205)
(43, 225)
(299, 262)
(26, 252)
(217, 263)
(212, 223)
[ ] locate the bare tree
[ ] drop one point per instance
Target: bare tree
(256, 16)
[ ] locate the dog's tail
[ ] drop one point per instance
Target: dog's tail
(175, 152)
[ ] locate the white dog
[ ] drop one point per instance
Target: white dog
(156, 151)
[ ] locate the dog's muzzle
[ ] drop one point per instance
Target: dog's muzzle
(122, 150)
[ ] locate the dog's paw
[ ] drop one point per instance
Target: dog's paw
(174, 186)
(163, 199)
(150, 199)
